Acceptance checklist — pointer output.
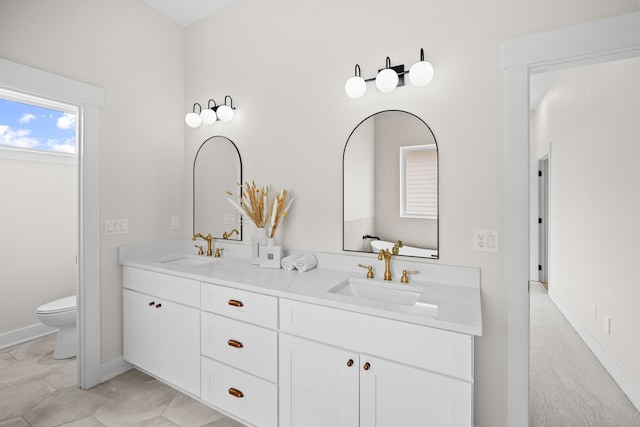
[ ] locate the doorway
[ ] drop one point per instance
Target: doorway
(600, 41)
(89, 100)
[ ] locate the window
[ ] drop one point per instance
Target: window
(419, 181)
(34, 128)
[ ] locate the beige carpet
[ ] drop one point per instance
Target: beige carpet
(568, 386)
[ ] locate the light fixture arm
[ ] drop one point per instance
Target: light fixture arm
(215, 106)
(230, 102)
(199, 106)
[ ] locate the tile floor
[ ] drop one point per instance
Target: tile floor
(38, 391)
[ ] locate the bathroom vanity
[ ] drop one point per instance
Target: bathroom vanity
(326, 347)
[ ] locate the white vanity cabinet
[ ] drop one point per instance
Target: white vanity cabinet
(161, 326)
(341, 368)
(240, 353)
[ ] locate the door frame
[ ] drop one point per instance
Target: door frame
(543, 215)
(600, 41)
(89, 100)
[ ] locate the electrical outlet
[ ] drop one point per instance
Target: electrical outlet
(175, 222)
(230, 219)
(485, 240)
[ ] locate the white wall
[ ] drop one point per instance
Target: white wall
(285, 63)
(39, 238)
(590, 114)
(136, 55)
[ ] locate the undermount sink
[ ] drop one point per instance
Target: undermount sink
(374, 290)
(187, 260)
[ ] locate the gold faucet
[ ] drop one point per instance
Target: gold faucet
(226, 235)
(396, 247)
(218, 254)
(209, 239)
(369, 270)
(386, 255)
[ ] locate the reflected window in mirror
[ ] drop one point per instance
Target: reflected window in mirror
(419, 181)
(217, 170)
(374, 182)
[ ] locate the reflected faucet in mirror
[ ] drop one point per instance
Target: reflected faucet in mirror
(209, 240)
(226, 235)
(396, 248)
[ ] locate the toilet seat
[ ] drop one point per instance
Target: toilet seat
(61, 305)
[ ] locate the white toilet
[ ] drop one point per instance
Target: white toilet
(61, 314)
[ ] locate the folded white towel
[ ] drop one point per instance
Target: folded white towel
(287, 262)
(305, 262)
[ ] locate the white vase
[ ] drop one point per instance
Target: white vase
(258, 239)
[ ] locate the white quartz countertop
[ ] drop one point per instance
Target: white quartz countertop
(441, 304)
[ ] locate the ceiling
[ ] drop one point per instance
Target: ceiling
(186, 12)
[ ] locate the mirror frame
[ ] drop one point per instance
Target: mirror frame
(438, 179)
(195, 158)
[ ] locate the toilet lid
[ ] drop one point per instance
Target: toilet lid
(58, 306)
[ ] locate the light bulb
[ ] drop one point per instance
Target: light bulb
(225, 113)
(421, 73)
(355, 87)
(387, 80)
(208, 116)
(193, 120)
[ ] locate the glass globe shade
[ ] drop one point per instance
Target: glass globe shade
(355, 87)
(208, 116)
(421, 73)
(193, 120)
(225, 113)
(387, 80)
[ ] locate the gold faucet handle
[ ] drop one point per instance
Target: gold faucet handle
(405, 277)
(369, 270)
(218, 254)
(200, 251)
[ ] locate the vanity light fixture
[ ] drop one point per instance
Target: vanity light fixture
(193, 119)
(390, 77)
(225, 112)
(210, 114)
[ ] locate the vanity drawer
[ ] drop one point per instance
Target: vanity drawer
(445, 352)
(243, 395)
(246, 347)
(173, 288)
(242, 305)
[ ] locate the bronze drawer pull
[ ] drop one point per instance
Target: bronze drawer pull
(366, 366)
(236, 303)
(152, 303)
(234, 343)
(235, 393)
(158, 305)
(350, 362)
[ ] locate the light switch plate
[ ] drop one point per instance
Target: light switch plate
(116, 226)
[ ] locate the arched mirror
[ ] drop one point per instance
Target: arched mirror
(217, 169)
(390, 176)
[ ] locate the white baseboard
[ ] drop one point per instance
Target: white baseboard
(113, 368)
(9, 339)
(620, 376)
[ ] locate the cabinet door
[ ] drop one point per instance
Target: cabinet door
(181, 364)
(318, 385)
(394, 395)
(143, 337)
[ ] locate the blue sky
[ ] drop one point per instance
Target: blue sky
(36, 128)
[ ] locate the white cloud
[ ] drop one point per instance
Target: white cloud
(66, 121)
(66, 146)
(17, 138)
(26, 118)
